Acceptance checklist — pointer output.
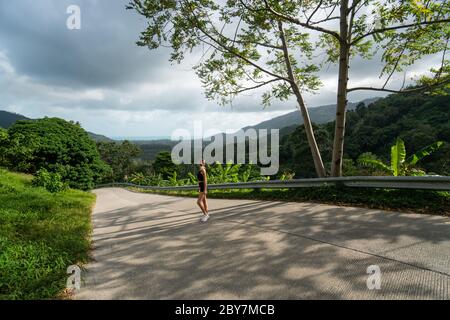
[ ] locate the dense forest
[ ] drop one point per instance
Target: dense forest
(418, 119)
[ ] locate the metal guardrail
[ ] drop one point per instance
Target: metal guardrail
(419, 183)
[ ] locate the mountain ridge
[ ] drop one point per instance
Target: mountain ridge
(319, 115)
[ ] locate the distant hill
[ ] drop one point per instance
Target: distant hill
(151, 148)
(318, 115)
(99, 137)
(287, 123)
(7, 119)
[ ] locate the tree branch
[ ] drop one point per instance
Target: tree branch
(298, 22)
(231, 50)
(398, 28)
(314, 12)
(417, 89)
(262, 84)
(395, 65)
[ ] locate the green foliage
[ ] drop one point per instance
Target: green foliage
(425, 152)
(370, 160)
(138, 178)
(57, 146)
(246, 173)
(120, 157)
(399, 166)
(250, 53)
(349, 168)
(287, 175)
(232, 173)
(41, 234)
(295, 151)
(150, 180)
(3, 141)
(219, 173)
(417, 119)
(216, 173)
(163, 165)
(243, 39)
(51, 181)
(398, 154)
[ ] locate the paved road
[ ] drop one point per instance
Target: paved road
(153, 247)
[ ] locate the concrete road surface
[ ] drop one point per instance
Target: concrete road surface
(154, 247)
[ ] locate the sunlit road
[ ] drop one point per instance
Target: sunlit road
(154, 247)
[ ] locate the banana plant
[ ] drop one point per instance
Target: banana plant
(219, 173)
(246, 173)
(400, 165)
(193, 179)
(138, 178)
(174, 181)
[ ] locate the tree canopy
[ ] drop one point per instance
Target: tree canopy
(281, 45)
(120, 157)
(57, 146)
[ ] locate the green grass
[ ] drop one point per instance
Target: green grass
(419, 201)
(41, 234)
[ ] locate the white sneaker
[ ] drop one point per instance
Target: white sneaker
(204, 218)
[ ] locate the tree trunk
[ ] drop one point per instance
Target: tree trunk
(317, 158)
(318, 163)
(344, 57)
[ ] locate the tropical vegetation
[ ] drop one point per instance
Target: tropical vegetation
(41, 234)
(399, 165)
(55, 145)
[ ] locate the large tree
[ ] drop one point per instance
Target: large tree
(282, 44)
(401, 32)
(57, 146)
(243, 49)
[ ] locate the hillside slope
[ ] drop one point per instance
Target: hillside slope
(319, 115)
(418, 119)
(7, 119)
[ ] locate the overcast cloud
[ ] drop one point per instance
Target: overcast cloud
(99, 77)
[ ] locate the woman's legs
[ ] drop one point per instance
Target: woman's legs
(200, 202)
(205, 203)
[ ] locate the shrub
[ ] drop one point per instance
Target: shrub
(51, 181)
(57, 146)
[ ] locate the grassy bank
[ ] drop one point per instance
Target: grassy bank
(430, 202)
(41, 234)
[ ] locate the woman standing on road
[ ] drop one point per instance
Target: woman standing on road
(202, 188)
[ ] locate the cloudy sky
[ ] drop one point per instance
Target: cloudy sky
(99, 77)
